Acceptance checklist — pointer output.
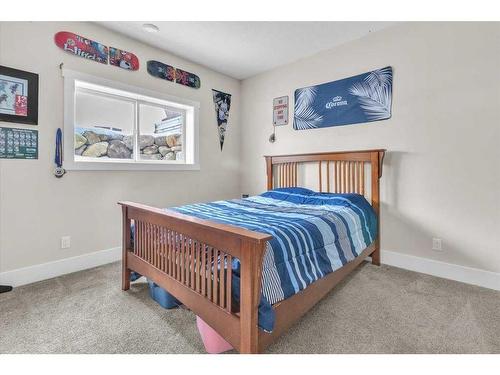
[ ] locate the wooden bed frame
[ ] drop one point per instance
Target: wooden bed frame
(174, 250)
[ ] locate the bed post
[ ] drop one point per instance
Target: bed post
(269, 170)
(125, 248)
(252, 255)
(377, 158)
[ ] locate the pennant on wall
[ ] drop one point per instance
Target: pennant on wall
(362, 98)
(222, 103)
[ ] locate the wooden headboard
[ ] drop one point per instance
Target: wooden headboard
(338, 172)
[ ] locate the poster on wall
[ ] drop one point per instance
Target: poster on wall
(363, 98)
(18, 143)
(280, 111)
(222, 103)
(18, 96)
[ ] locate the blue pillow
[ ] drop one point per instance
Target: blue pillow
(294, 190)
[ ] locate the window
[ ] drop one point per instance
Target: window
(109, 125)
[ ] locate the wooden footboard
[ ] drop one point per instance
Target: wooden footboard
(191, 258)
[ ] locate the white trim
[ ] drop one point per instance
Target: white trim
(450, 271)
(99, 81)
(469, 275)
(191, 149)
(28, 275)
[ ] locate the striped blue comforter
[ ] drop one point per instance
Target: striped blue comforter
(313, 233)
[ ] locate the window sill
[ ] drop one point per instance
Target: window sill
(102, 166)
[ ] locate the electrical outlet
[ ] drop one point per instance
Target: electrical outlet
(65, 242)
(437, 244)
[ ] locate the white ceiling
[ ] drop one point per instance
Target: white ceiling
(244, 49)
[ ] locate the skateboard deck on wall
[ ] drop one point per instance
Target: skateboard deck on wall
(83, 47)
(187, 79)
(161, 70)
(123, 59)
(169, 73)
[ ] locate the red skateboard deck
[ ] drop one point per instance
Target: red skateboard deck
(123, 59)
(83, 47)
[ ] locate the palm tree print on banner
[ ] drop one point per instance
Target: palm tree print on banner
(375, 94)
(305, 115)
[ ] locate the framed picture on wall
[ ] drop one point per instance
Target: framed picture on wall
(18, 96)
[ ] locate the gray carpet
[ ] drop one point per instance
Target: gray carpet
(375, 310)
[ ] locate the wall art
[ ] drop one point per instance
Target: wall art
(187, 79)
(123, 59)
(18, 143)
(280, 111)
(169, 73)
(83, 47)
(362, 98)
(161, 70)
(222, 103)
(18, 96)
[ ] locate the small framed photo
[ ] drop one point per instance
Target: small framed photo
(18, 96)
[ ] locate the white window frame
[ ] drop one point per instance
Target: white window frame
(190, 134)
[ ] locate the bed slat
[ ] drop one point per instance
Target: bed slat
(203, 269)
(198, 267)
(222, 281)
(320, 179)
(209, 272)
(215, 276)
(229, 274)
(328, 176)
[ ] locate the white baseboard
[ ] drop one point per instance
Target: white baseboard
(474, 276)
(28, 275)
(450, 271)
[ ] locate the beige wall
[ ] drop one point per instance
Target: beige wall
(442, 173)
(37, 209)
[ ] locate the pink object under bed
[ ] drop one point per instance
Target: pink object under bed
(214, 343)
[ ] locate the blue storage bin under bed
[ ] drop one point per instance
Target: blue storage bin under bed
(162, 297)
